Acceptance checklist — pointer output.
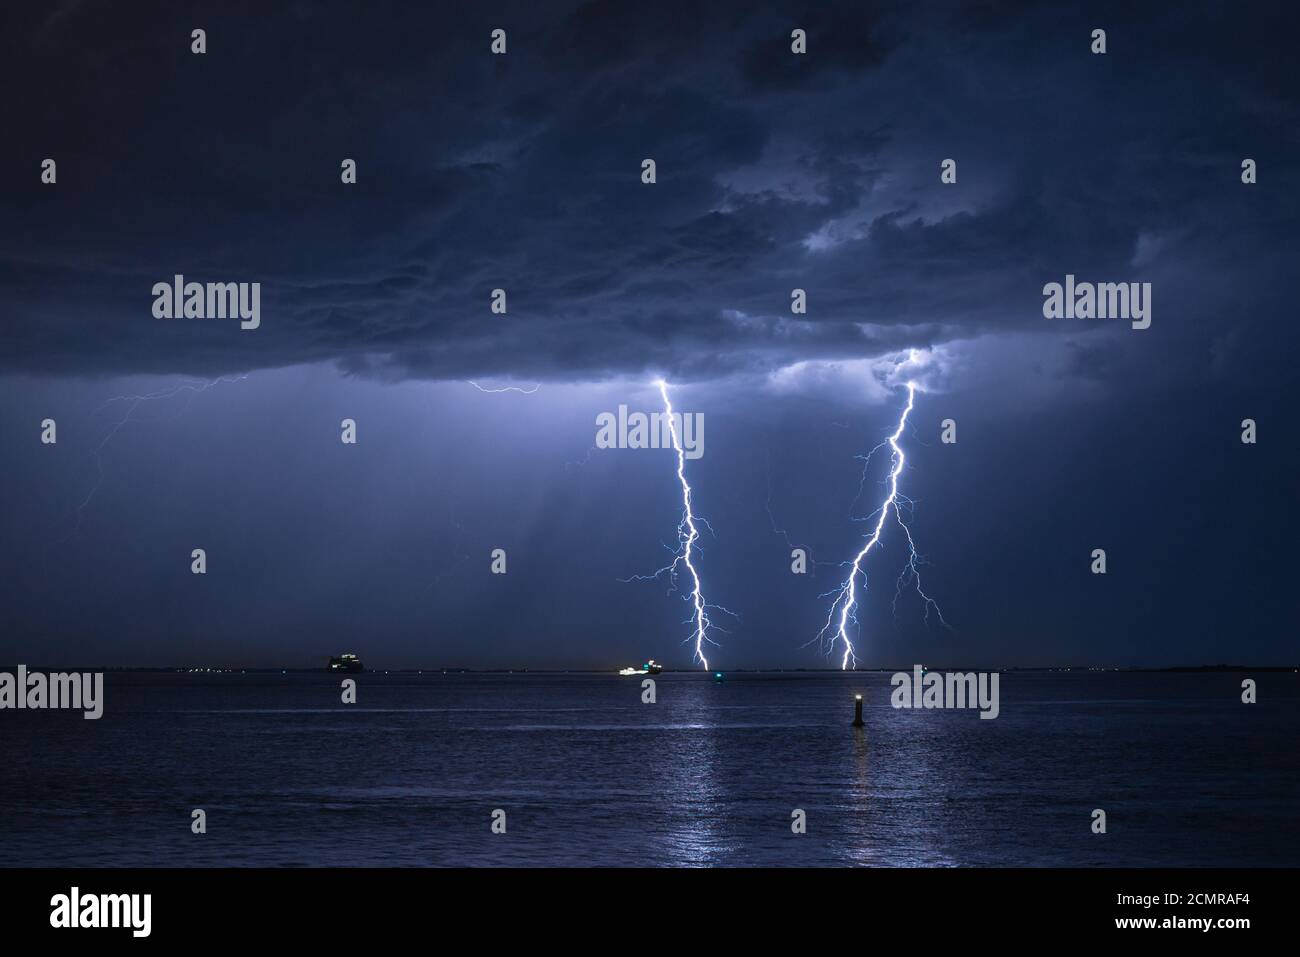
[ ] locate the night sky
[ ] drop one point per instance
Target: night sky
(775, 171)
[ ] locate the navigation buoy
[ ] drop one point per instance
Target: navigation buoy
(857, 711)
(717, 677)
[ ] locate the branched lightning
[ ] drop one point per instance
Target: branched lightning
(843, 611)
(133, 402)
(688, 535)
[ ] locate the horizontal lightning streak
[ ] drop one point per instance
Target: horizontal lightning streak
(507, 388)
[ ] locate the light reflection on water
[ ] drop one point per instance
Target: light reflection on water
(707, 776)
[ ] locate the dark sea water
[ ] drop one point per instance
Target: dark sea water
(709, 775)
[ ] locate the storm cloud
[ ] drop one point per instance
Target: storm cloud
(522, 172)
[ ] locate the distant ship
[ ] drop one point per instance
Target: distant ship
(651, 667)
(347, 662)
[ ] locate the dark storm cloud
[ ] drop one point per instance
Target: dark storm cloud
(845, 40)
(522, 172)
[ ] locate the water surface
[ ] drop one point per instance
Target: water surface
(709, 775)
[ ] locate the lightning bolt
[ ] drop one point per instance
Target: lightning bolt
(688, 535)
(508, 388)
(134, 401)
(843, 609)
